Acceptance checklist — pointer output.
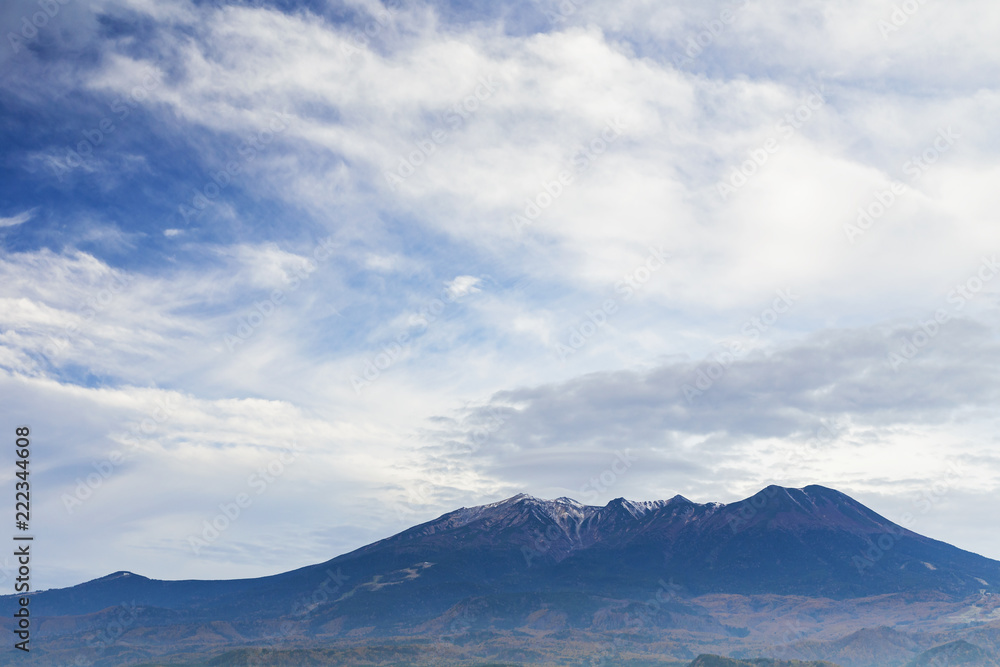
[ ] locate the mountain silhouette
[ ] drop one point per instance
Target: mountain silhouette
(530, 565)
(813, 541)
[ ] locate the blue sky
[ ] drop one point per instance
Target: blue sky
(362, 263)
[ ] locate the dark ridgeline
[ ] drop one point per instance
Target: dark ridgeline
(508, 557)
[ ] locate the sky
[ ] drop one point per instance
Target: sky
(281, 279)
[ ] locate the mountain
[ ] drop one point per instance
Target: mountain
(544, 567)
(813, 541)
(958, 653)
(868, 646)
(707, 660)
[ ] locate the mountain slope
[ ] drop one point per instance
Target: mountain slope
(708, 660)
(868, 647)
(955, 654)
(813, 541)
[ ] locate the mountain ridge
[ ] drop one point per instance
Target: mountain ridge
(525, 567)
(746, 536)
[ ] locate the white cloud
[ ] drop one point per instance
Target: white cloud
(18, 219)
(553, 93)
(462, 286)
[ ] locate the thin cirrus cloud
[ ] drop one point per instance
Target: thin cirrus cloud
(459, 253)
(18, 219)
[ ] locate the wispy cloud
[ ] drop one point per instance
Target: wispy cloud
(18, 219)
(461, 286)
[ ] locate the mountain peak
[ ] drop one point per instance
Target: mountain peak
(824, 491)
(121, 574)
